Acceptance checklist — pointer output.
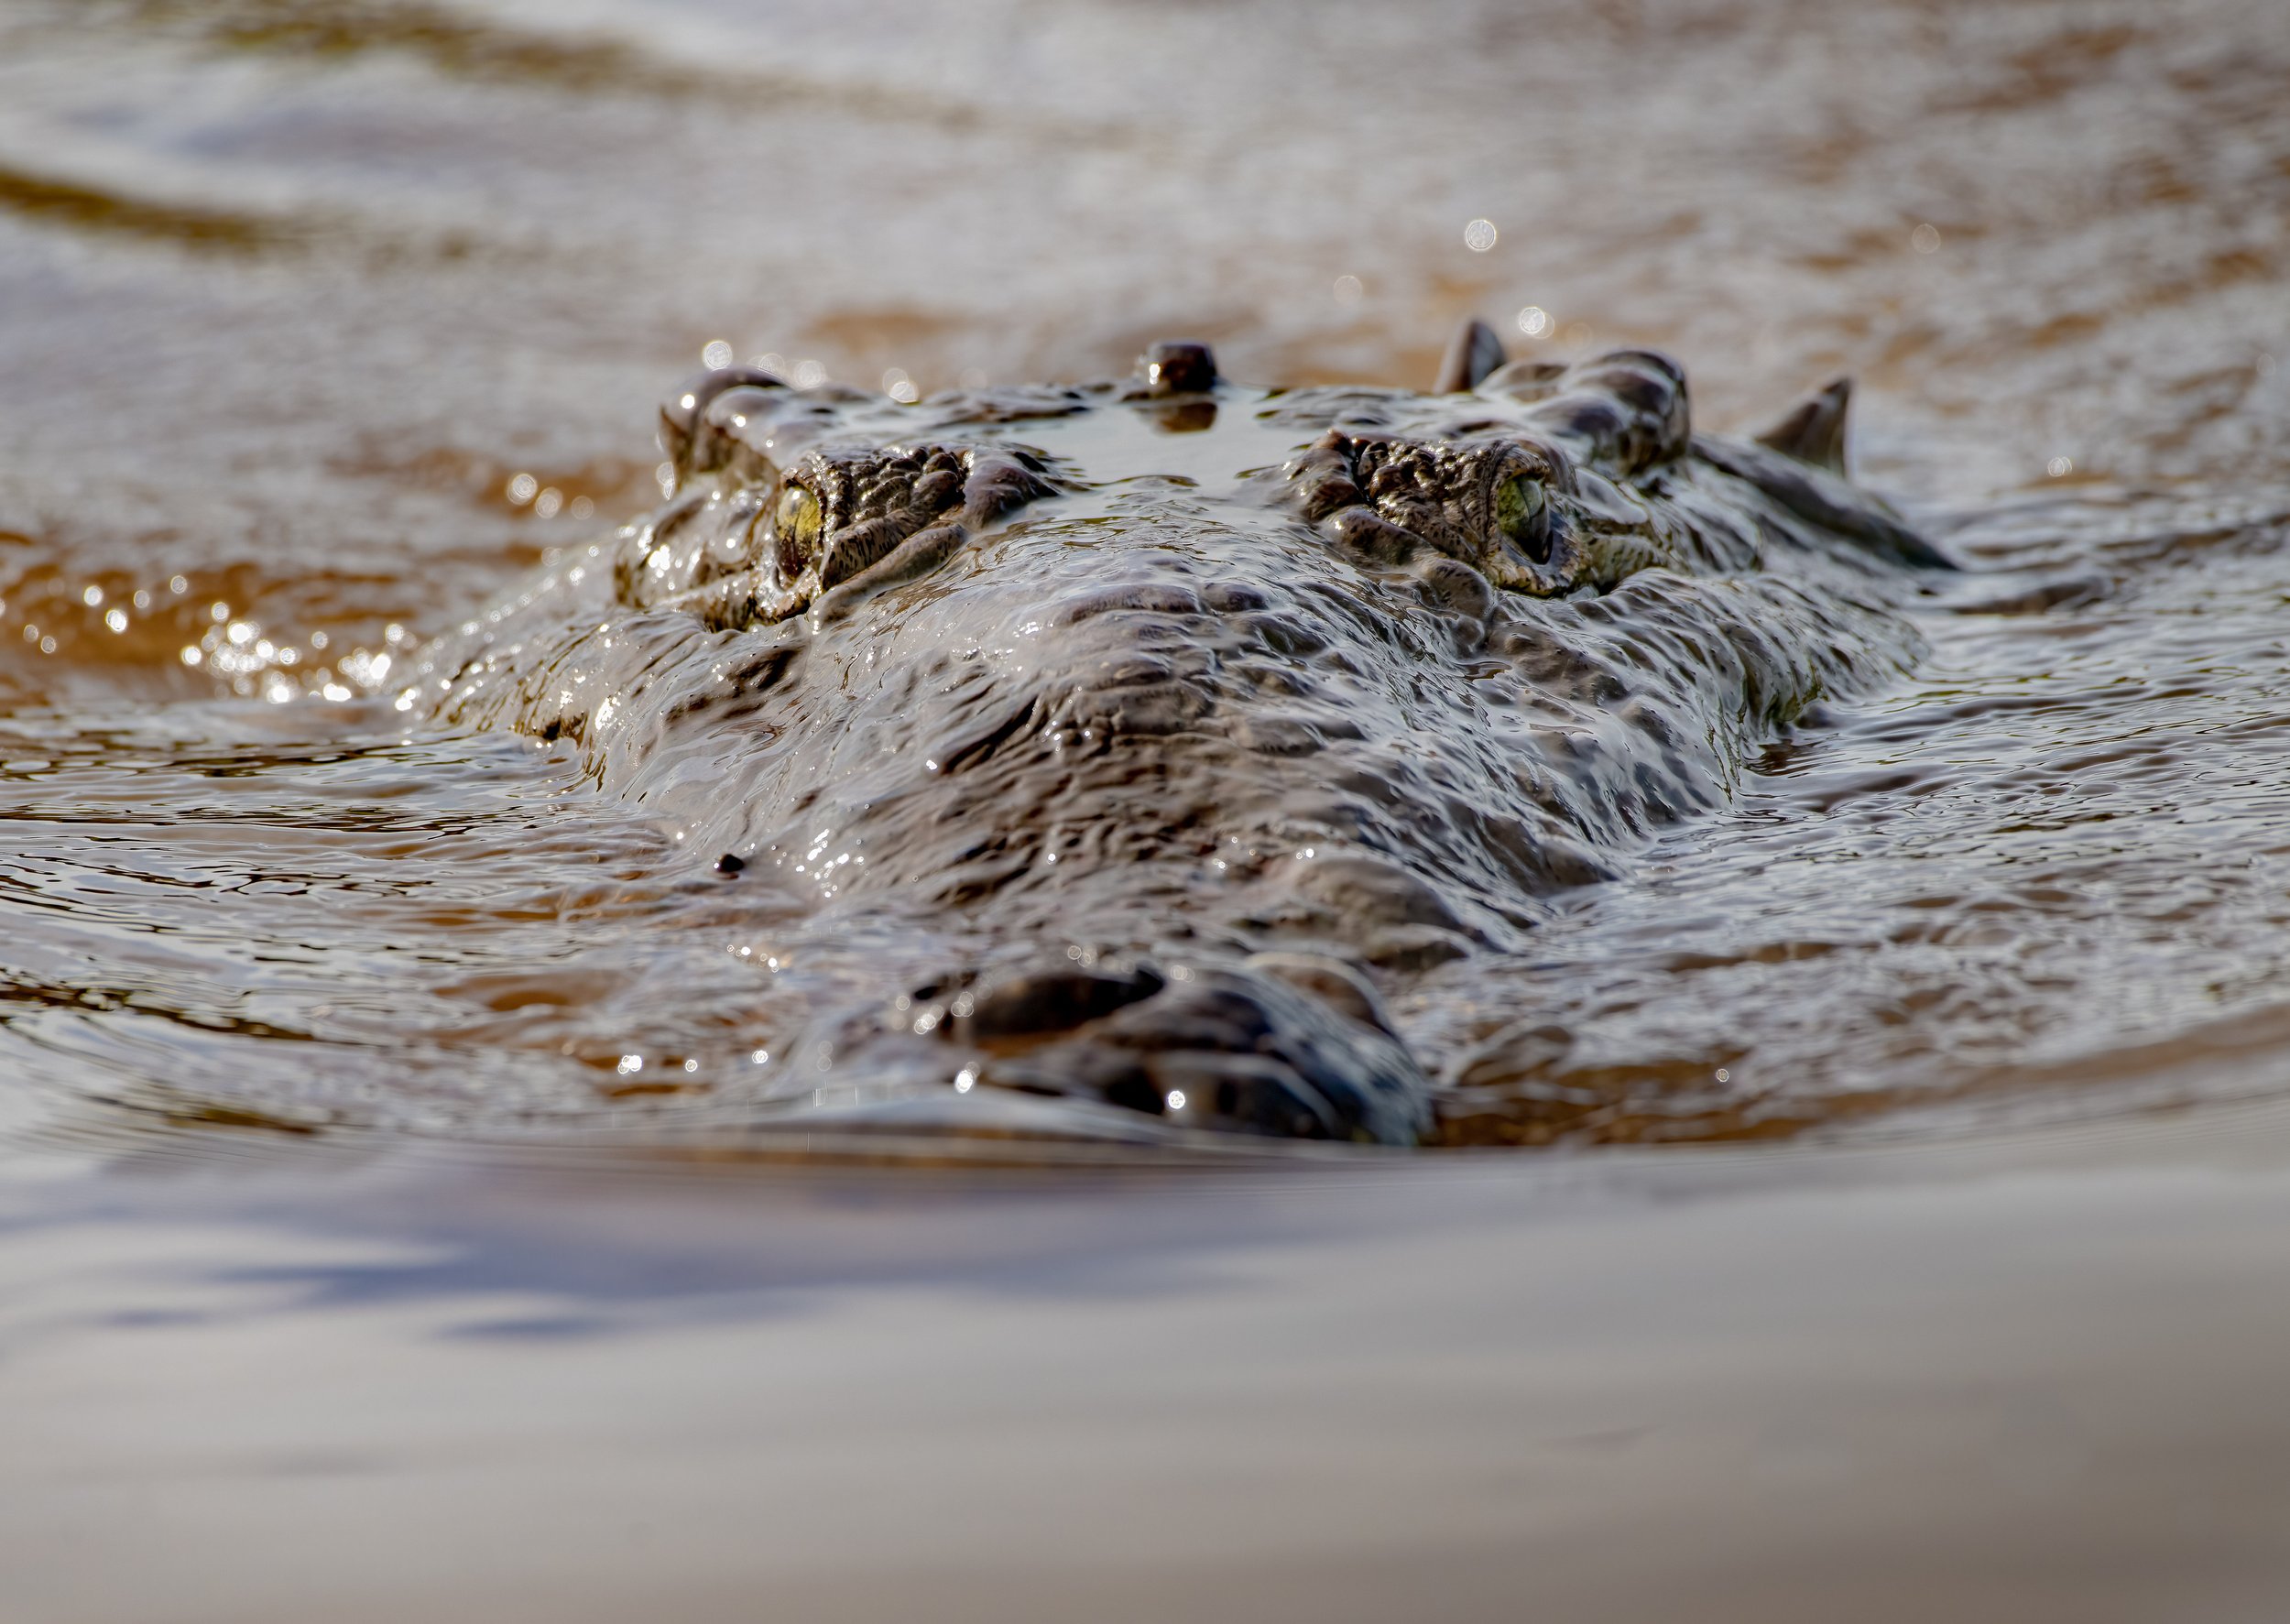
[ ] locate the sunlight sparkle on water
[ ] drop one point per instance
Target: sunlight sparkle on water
(1349, 291)
(1534, 320)
(1481, 235)
(716, 355)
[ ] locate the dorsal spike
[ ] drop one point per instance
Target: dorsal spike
(1472, 354)
(1813, 430)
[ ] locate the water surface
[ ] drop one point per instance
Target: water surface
(328, 322)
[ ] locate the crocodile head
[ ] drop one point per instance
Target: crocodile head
(1184, 753)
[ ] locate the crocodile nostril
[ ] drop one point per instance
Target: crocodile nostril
(1054, 1000)
(1178, 368)
(1134, 1091)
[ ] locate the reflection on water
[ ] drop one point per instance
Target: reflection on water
(327, 321)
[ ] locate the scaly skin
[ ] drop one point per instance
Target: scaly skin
(1048, 771)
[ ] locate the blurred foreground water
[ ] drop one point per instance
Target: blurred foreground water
(323, 321)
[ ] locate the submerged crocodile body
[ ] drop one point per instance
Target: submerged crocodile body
(1159, 747)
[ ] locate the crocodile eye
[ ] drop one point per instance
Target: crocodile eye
(797, 520)
(1522, 516)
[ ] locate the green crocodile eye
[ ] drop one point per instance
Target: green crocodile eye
(1518, 503)
(798, 518)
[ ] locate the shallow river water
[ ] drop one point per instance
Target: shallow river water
(328, 1031)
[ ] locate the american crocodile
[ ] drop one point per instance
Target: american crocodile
(1134, 743)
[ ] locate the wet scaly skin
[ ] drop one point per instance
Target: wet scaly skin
(1062, 774)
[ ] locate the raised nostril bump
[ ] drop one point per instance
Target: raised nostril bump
(1473, 354)
(1178, 367)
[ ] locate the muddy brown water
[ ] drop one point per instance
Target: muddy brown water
(326, 324)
